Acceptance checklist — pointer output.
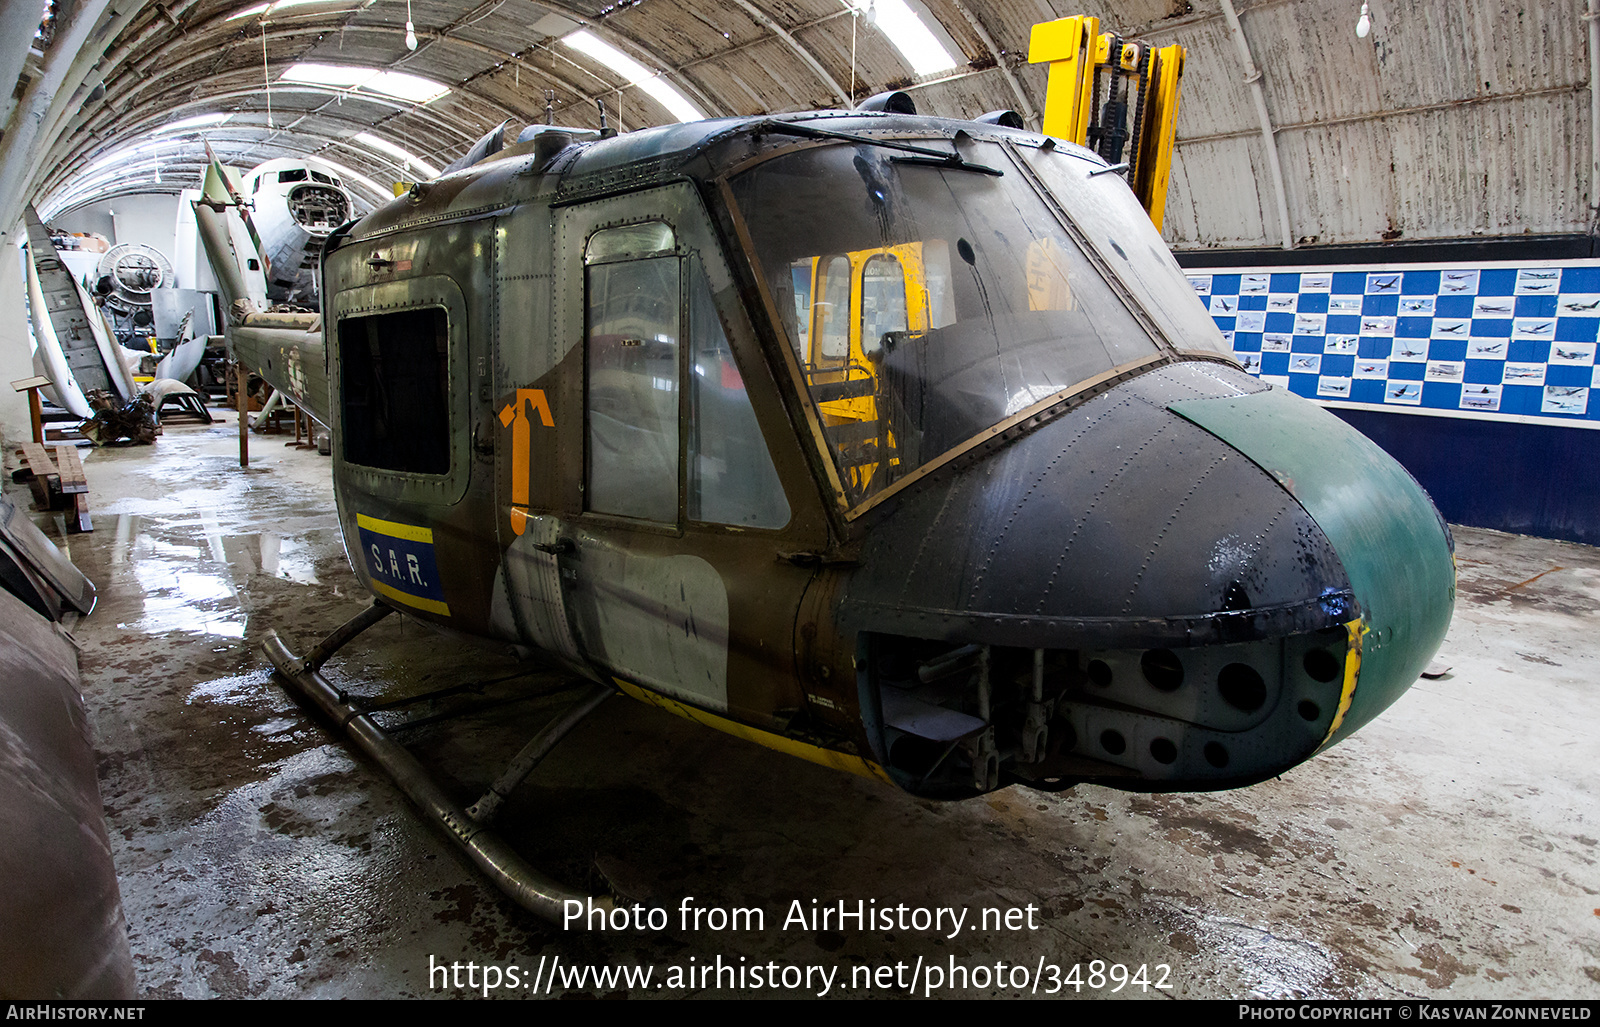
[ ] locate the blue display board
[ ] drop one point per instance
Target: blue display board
(1510, 342)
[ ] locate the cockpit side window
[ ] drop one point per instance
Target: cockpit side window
(672, 435)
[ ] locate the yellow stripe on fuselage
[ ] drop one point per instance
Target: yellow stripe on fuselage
(394, 529)
(430, 605)
(1352, 670)
(811, 753)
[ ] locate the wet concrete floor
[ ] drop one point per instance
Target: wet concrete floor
(1448, 850)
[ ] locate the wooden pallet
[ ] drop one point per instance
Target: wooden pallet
(57, 484)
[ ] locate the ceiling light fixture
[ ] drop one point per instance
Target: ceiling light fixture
(411, 29)
(273, 8)
(397, 84)
(909, 34)
(191, 124)
(587, 43)
(412, 160)
(1365, 24)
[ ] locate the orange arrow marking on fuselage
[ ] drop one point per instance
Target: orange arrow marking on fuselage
(513, 417)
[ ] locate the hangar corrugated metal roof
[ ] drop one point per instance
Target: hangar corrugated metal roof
(1450, 121)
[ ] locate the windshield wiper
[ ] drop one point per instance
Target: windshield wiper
(953, 161)
(925, 157)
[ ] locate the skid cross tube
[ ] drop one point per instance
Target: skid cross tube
(513, 875)
(536, 750)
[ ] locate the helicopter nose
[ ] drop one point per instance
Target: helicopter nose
(1395, 548)
(1193, 579)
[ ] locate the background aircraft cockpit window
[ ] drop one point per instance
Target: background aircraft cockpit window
(1001, 309)
(632, 397)
(394, 371)
(731, 476)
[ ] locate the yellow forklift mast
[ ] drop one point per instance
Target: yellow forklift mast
(1116, 96)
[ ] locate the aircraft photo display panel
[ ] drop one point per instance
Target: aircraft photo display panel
(1506, 342)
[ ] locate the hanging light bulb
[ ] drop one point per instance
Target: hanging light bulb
(1365, 24)
(411, 30)
(872, 14)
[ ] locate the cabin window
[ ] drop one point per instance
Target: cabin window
(632, 357)
(649, 239)
(395, 384)
(731, 476)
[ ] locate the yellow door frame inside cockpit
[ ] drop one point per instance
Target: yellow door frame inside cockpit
(856, 406)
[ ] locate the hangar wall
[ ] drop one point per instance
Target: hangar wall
(1477, 376)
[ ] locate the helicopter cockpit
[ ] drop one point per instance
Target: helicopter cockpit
(940, 297)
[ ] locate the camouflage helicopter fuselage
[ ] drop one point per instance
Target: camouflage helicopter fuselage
(896, 443)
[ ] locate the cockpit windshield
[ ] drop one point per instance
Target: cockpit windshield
(926, 301)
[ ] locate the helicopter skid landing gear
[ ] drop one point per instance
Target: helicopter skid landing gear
(512, 874)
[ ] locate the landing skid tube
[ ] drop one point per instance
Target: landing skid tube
(468, 828)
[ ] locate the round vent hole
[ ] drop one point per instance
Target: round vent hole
(1321, 665)
(1241, 687)
(1162, 669)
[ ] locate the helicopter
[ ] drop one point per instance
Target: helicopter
(895, 443)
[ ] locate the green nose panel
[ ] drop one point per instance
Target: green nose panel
(1392, 541)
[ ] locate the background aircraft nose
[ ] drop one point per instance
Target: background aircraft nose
(1192, 546)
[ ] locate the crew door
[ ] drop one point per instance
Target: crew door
(672, 580)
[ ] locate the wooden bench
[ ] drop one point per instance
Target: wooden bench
(57, 484)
